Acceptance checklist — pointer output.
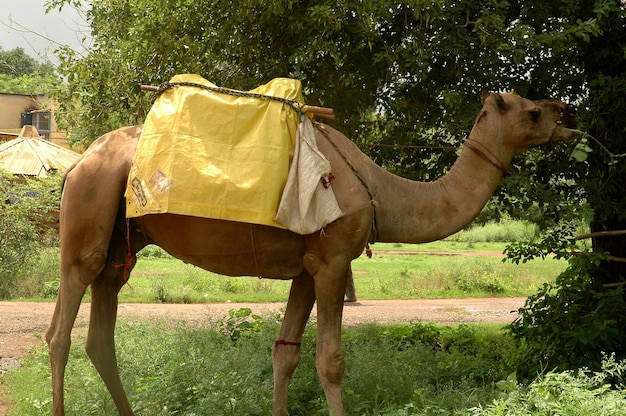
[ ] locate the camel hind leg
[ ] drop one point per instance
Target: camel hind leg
(91, 196)
(58, 335)
(100, 344)
(75, 277)
(80, 265)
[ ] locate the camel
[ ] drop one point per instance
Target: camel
(98, 244)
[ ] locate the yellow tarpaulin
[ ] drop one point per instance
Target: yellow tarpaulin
(215, 155)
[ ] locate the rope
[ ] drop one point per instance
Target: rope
(321, 129)
(130, 256)
(283, 342)
(296, 105)
(406, 146)
(497, 164)
(345, 159)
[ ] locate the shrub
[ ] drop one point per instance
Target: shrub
(571, 323)
(25, 207)
(239, 323)
(153, 252)
(569, 393)
(502, 231)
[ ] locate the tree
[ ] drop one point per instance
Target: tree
(20, 73)
(25, 207)
(16, 62)
(405, 73)
(583, 315)
(397, 73)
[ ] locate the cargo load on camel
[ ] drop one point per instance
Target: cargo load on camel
(210, 152)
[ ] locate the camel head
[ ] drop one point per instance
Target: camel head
(521, 124)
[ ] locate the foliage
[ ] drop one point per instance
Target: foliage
(504, 230)
(394, 272)
(394, 370)
(407, 73)
(19, 73)
(240, 323)
(16, 62)
(568, 393)
(25, 206)
(558, 241)
(573, 322)
(28, 83)
(182, 369)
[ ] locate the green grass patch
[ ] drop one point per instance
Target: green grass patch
(170, 280)
(394, 272)
(393, 370)
(393, 275)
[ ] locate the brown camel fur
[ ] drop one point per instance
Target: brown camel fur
(98, 244)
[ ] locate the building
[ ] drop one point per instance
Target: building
(18, 110)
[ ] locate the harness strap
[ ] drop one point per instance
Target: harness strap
(321, 129)
(283, 342)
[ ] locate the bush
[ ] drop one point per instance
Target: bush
(502, 231)
(571, 323)
(153, 252)
(25, 207)
(396, 370)
(569, 393)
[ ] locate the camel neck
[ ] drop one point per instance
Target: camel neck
(419, 212)
(492, 160)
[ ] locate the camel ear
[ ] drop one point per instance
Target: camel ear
(499, 101)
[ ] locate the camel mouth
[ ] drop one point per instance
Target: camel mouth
(566, 135)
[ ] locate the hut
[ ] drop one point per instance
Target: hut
(32, 155)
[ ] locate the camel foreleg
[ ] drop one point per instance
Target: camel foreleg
(330, 285)
(286, 353)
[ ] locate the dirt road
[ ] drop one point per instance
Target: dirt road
(22, 322)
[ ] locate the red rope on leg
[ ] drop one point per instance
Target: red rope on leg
(283, 342)
(129, 255)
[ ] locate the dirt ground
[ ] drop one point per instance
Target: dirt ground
(23, 324)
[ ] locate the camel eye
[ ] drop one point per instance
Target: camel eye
(535, 114)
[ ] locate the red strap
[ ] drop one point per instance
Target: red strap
(283, 342)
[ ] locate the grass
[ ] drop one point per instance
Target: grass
(394, 272)
(393, 370)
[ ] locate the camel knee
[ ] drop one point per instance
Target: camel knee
(331, 368)
(285, 359)
(86, 267)
(59, 350)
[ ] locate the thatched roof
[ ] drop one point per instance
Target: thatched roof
(32, 155)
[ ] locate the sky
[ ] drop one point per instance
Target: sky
(25, 24)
